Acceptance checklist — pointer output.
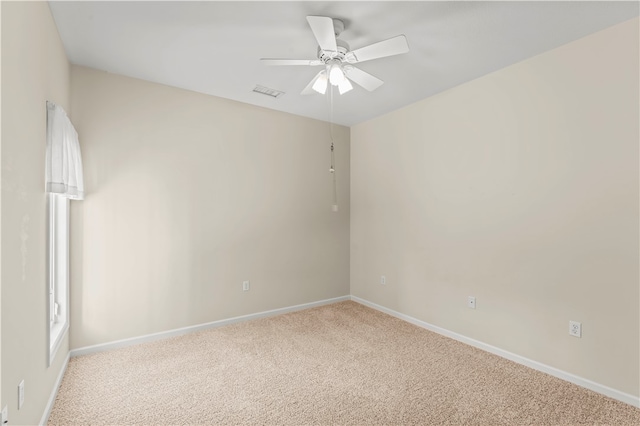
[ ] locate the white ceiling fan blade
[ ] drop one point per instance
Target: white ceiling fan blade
(381, 49)
(309, 90)
(362, 78)
(277, 62)
(322, 28)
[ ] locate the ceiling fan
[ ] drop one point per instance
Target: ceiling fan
(338, 59)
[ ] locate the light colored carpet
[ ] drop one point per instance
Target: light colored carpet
(336, 364)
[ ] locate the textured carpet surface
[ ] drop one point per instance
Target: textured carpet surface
(337, 364)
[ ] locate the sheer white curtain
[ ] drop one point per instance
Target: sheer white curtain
(64, 162)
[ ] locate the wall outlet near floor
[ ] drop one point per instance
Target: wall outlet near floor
(383, 280)
(575, 328)
(245, 285)
(471, 302)
(5, 415)
(20, 394)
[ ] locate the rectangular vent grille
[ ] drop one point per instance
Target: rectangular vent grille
(269, 92)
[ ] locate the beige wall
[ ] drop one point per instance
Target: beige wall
(34, 69)
(1, 212)
(187, 196)
(1, 400)
(521, 189)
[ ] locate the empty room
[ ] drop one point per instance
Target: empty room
(317, 213)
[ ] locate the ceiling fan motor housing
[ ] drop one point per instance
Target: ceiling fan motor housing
(326, 55)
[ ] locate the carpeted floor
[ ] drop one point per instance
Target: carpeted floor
(336, 364)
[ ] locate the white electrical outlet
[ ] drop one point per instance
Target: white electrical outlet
(20, 394)
(5, 415)
(383, 280)
(471, 302)
(575, 328)
(245, 285)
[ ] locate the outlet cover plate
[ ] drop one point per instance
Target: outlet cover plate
(20, 394)
(575, 328)
(471, 302)
(383, 280)
(246, 285)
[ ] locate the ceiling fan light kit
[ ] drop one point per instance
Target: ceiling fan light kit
(336, 56)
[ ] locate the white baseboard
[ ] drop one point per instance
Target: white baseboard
(54, 392)
(180, 331)
(585, 383)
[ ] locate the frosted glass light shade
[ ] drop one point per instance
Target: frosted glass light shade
(345, 86)
(336, 75)
(320, 85)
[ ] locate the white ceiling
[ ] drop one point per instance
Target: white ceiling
(215, 47)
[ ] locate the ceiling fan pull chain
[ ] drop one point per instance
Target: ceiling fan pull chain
(333, 173)
(332, 169)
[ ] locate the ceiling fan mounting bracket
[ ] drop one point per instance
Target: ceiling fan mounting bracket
(338, 26)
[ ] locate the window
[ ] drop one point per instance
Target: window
(63, 182)
(58, 271)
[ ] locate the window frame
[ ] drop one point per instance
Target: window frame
(58, 272)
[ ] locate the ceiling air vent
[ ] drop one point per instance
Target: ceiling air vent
(269, 92)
